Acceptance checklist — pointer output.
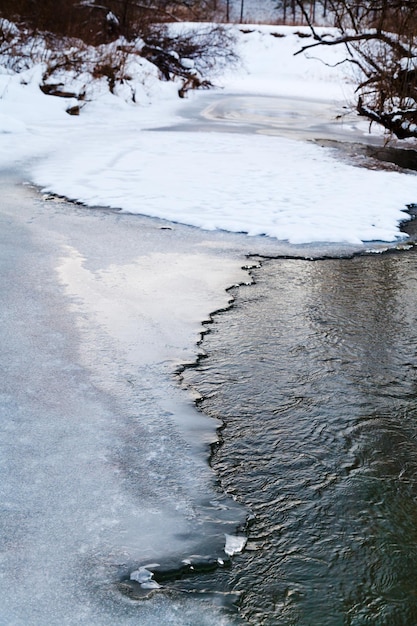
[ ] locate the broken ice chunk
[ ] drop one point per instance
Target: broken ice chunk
(234, 544)
(141, 575)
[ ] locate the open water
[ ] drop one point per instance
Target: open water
(312, 375)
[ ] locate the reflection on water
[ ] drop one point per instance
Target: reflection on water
(314, 373)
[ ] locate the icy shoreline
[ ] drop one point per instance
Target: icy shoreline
(104, 457)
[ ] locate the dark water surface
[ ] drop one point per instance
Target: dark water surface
(314, 374)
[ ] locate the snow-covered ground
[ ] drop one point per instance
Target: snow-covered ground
(255, 182)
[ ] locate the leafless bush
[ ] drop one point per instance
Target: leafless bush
(210, 48)
(19, 50)
(71, 66)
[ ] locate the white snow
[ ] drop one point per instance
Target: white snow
(255, 182)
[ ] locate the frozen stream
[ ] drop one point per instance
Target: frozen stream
(292, 117)
(103, 455)
(329, 124)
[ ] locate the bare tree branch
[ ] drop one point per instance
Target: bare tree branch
(380, 39)
(357, 38)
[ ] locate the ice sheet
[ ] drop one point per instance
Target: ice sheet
(101, 471)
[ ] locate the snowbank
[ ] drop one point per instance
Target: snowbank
(254, 182)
